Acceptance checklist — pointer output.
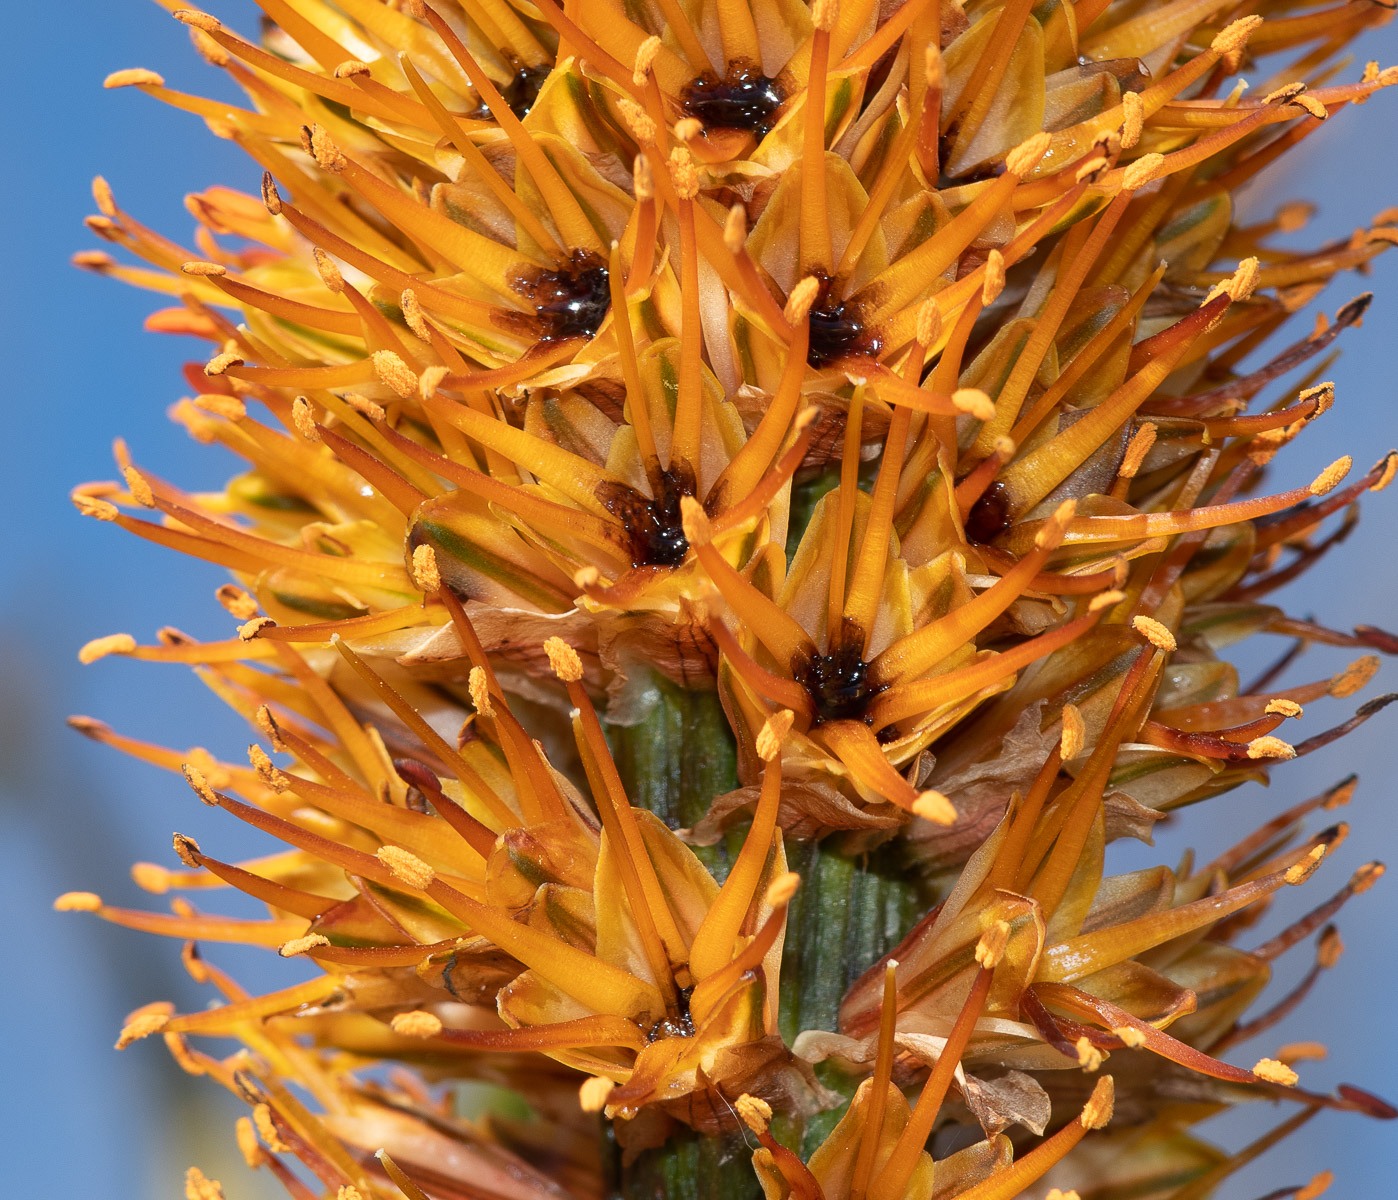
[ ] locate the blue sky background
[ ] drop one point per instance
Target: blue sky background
(87, 1121)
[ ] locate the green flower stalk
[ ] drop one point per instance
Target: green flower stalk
(744, 504)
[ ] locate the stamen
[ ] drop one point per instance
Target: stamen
(716, 940)
(892, 1179)
(872, 1132)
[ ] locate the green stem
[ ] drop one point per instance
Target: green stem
(677, 759)
(850, 910)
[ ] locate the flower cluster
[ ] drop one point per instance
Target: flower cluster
(874, 379)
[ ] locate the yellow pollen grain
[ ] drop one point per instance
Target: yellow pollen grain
(248, 630)
(1329, 949)
(248, 1145)
(1390, 468)
(203, 270)
(824, 14)
(186, 849)
(103, 197)
(302, 944)
(563, 660)
(1330, 478)
(217, 365)
(1098, 1109)
(755, 1112)
(1366, 876)
(426, 573)
(200, 20)
(805, 418)
(92, 506)
(394, 372)
(695, 521)
(990, 948)
(411, 308)
(1154, 632)
(994, 282)
(1318, 1186)
(1089, 169)
(638, 121)
(1234, 36)
(417, 1024)
(593, 1093)
(228, 407)
(1288, 91)
(1272, 1071)
(1089, 1057)
(773, 733)
(802, 298)
(328, 271)
(975, 402)
(260, 761)
(236, 602)
(365, 407)
(933, 806)
(1074, 733)
(1283, 708)
(1141, 172)
(150, 877)
(1292, 218)
(1243, 282)
(688, 129)
(93, 260)
(1299, 872)
(735, 229)
(1025, 157)
(133, 77)
(271, 198)
(1312, 106)
(586, 576)
(431, 380)
(267, 1129)
(268, 725)
(141, 1026)
(323, 149)
(78, 902)
(197, 1185)
(406, 867)
(1354, 677)
(929, 325)
(781, 889)
(1294, 1052)
(1105, 600)
(479, 688)
(350, 68)
(200, 783)
(113, 643)
(304, 419)
(1133, 119)
(933, 69)
(1270, 747)
(1130, 1036)
(645, 56)
(1059, 1194)
(683, 173)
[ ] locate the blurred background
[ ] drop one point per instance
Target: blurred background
(87, 1121)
